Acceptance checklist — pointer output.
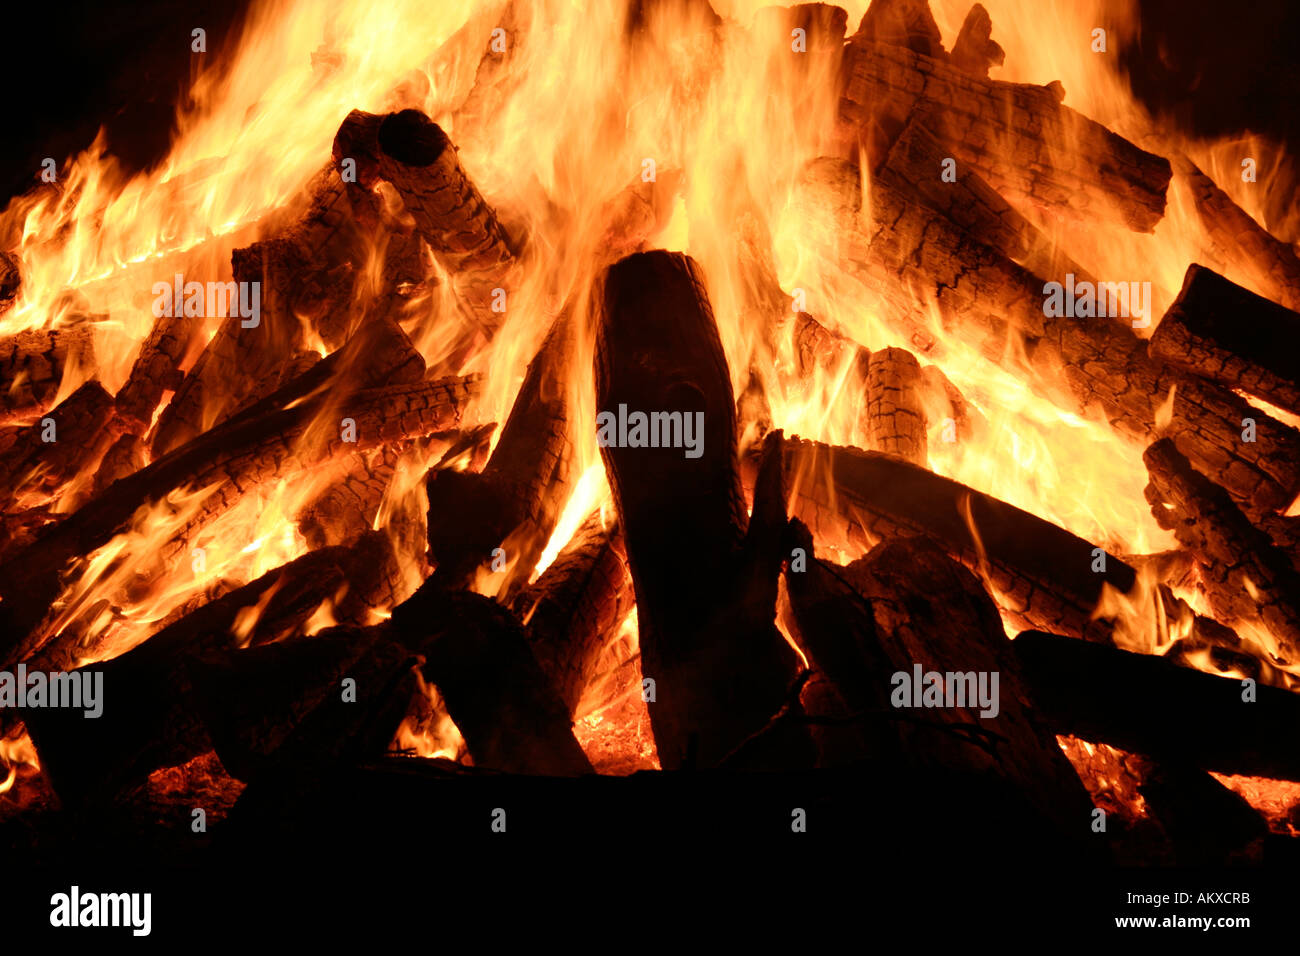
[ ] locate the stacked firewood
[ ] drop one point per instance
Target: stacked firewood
(755, 650)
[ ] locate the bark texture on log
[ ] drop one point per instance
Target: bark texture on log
(705, 587)
(915, 260)
(157, 368)
(411, 152)
(896, 422)
(478, 657)
(1028, 145)
(229, 461)
(1245, 576)
(574, 609)
(33, 364)
(1220, 331)
(38, 460)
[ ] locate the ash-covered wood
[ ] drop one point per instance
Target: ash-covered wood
(574, 609)
(33, 364)
(705, 586)
(1146, 704)
(1220, 331)
(1246, 577)
(478, 657)
(1028, 145)
(411, 152)
(895, 416)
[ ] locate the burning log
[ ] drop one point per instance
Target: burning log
(495, 80)
(974, 49)
(229, 460)
(1144, 703)
(1038, 571)
(896, 422)
(1021, 138)
(11, 280)
(157, 368)
(575, 607)
(1235, 242)
(931, 615)
(286, 708)
(1220, 331)
(988, 300)
(1245, 576)
(33, 364)
(40, 459)
(411, 152)
(907, 23)
(347, 508)
(151, 721)
(517, 499)
(720, 667)
(477, 655)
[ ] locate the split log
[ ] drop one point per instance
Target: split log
(706, 624)
(411, 152)
(1029, 146)
(477, 656)
(1246, 577)
(1234, 242)
(895, 416)
(1037, 571)
(33, 365)
(517, 499)
(916, 261)
(974, 50)
(1146, 704)
(1220, 331)
(1182, 798)
(39, 460)
(574, 609)
(229, 461)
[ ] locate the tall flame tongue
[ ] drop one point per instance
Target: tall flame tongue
(594, 129)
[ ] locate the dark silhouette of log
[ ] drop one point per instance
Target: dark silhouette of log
(1220, 331)
(1146, 704)
(1029, 146)
(974, 50)
(477, 656)
(721, 669)
(1245, 576)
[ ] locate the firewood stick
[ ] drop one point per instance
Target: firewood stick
(896, 423)
(33, 363)
(575, 607)
(157, 368)
(1028, 145)
(516, 500)
(229, 461)
(413, 153)
(1246, 577)
(38, 460)
(994, 303)
(347, 507)
(1220, 331)
(1039, 571)
(477, 656)
(1234, 242)
(1147, 704)
(704, 622)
